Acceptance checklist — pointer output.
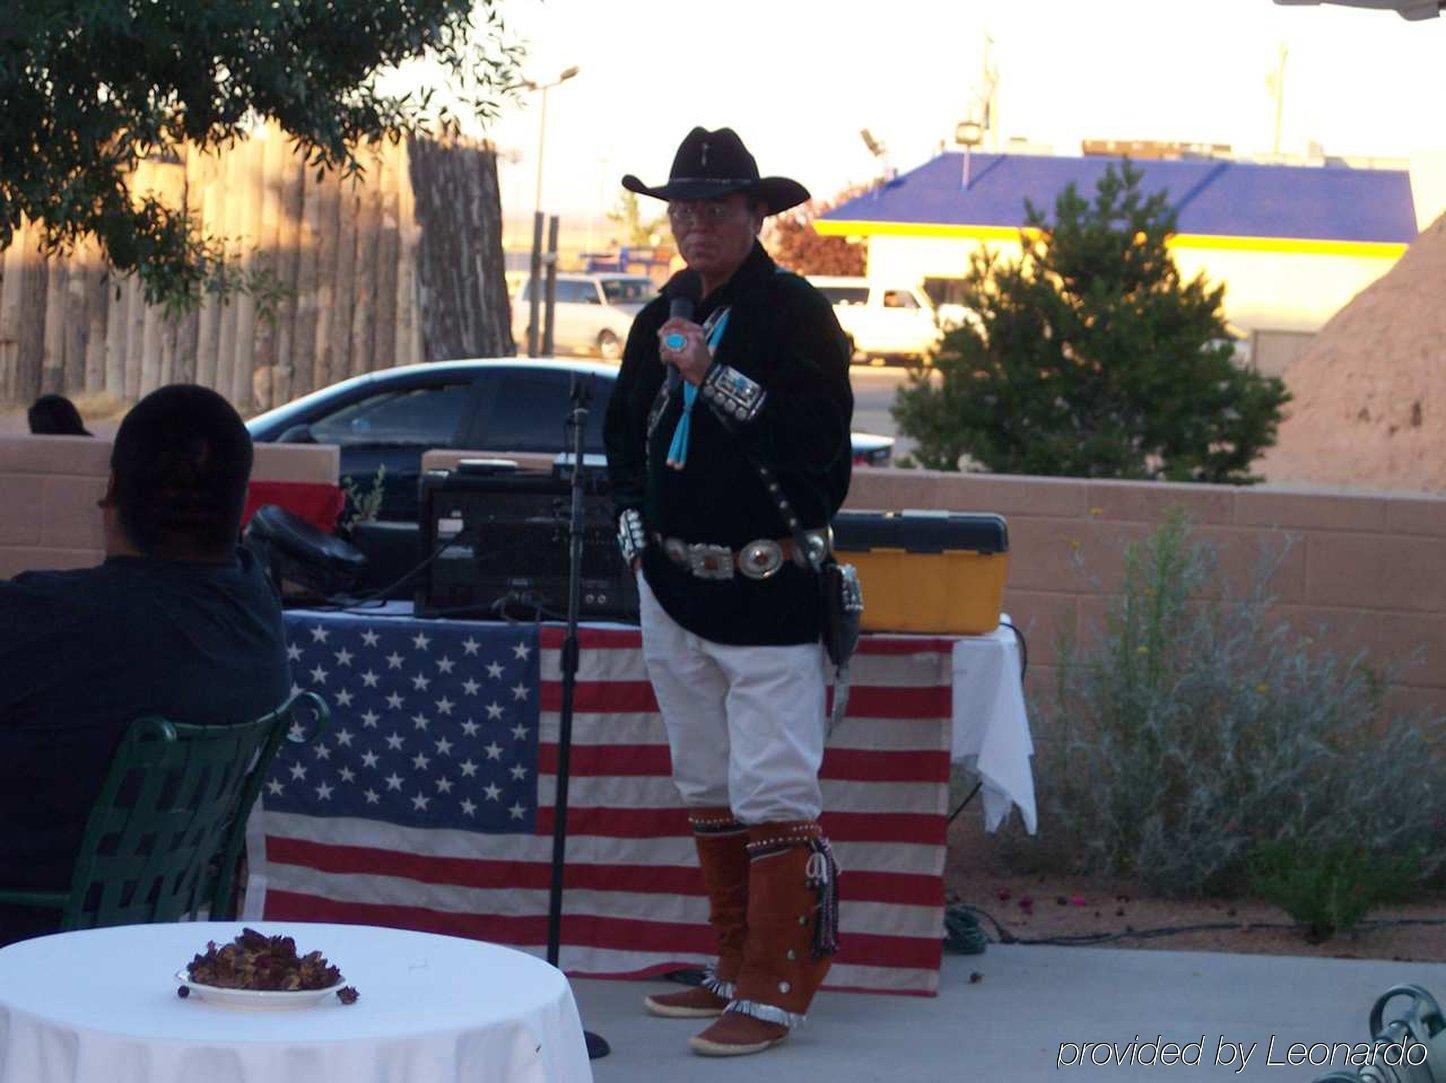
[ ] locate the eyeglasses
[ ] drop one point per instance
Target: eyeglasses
(712, 211)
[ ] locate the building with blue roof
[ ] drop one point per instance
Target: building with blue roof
(1291, 243)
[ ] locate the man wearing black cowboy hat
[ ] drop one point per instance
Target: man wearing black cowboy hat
(728, 451)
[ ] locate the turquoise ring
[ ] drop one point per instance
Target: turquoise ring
(674, 341)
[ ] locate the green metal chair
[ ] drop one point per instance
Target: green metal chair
(165, 835)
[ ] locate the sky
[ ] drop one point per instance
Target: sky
(798, 79)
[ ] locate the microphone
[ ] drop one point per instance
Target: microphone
(684, 293)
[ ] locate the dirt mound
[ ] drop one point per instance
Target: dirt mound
(1370, 392)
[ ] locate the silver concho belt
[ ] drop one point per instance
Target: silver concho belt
(759, 559)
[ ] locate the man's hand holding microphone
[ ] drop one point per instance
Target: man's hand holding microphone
(682, 344)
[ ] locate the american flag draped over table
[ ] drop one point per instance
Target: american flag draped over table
(429, 803)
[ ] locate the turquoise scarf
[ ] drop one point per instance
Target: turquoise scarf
(678, 449)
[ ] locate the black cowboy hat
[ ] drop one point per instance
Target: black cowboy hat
(712, 164)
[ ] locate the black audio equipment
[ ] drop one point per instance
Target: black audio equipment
(508, 551)
(303, 563)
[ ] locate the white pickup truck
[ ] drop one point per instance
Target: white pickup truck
(889, 322)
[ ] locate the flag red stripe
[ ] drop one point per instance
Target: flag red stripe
(630, 697)
(865, 701)
(551, 637)
(843, 764)
(910, 827)
(905, 888)
(621, 934)
(902, 888)
(885, 765)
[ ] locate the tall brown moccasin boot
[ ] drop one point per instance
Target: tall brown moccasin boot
(723, 856)
(792, 932)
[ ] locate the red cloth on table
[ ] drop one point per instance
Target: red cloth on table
(316, 502)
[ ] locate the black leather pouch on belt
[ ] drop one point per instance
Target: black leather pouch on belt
(841, 607)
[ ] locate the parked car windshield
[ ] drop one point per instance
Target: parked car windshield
(845, 295)
(527, 410)
(628, 291)
(425, 416)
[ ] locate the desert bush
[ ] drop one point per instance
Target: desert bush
(1199, 727)
(1329, 890)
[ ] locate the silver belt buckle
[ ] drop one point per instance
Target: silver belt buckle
(710, 561)
(760, 559)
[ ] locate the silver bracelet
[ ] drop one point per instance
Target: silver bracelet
(734, 394)
(632, 539)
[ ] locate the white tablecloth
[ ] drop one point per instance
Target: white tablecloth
(991, 728)
(100, 1006)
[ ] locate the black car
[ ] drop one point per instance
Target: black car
(390, 417)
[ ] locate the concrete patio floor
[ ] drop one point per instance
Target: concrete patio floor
(1008, 1027)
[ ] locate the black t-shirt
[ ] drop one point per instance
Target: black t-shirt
(84, 653)
(781, 333)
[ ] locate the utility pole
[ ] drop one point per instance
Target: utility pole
(534, 285)
(1276, 83)
(988, 93)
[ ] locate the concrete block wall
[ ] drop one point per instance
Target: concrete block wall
(49, 486)
(1364, 571)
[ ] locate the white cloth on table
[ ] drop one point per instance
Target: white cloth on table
(100, 1006)
(991, 726)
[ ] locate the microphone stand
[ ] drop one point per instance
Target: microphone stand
(577, 419)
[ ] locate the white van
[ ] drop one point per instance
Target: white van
(884, 320)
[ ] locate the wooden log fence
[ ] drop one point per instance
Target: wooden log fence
(401, 265)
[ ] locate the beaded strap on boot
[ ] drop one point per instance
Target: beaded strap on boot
(792, 921)
(821, 878)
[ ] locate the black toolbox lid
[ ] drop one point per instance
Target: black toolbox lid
(920, 531)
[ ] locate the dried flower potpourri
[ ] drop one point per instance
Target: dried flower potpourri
(258, 962)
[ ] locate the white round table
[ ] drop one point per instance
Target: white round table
(100, 1006)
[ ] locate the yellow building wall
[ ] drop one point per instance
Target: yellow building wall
(1264, 290)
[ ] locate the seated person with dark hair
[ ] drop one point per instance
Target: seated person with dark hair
(178, 621)
(55, 415)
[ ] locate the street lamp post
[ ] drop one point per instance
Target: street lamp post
(968, 134)
(535, 275)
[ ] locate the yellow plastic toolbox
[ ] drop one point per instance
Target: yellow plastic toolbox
(926, 571)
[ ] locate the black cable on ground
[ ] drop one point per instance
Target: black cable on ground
(963, 935)
(1006, 937)
(953, 815)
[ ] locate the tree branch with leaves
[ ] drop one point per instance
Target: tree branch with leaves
(87, 91)
(793, 242)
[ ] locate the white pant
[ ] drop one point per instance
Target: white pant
(745, 724)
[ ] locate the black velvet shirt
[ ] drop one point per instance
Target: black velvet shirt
(781, 333)
(82, 654)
